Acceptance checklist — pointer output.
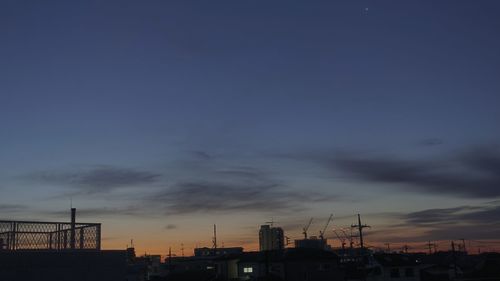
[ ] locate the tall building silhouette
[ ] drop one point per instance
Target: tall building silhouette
(271, 238)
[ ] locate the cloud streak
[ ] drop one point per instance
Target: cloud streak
(469, 222)
(475, 173)
(203, 197)
(11, 208)
(489, 214)
(98, 179)
(101, 212)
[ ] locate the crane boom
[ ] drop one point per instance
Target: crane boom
(306, 228)
(322, 233)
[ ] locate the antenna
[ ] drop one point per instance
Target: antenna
(271, 222)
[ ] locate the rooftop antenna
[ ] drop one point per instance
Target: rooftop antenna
(182, 249)
(271, 222)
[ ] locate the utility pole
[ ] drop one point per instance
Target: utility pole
(430, 245)
(360, 229)
(388, 247)
(215, 239)
(170, 259)
(454, 258)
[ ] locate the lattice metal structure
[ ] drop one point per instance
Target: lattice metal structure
(58, 236)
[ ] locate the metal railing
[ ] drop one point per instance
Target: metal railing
(32, 235)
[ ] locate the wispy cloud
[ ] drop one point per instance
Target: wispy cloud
(170, 226)
(192, 197)
(103, 212)
(489, 214)
(469, 222)
(7, 208)
(472, 173)
(98, 179)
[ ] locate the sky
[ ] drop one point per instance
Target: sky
(162, 118)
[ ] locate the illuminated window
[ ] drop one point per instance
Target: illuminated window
(247, 269)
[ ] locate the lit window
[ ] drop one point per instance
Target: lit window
(247, 269)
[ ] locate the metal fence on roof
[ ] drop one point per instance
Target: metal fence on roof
(58, 236)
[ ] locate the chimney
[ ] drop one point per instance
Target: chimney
(72, 233)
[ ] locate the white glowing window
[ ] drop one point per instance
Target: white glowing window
(247, 269)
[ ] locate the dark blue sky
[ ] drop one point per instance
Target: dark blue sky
(377, 106)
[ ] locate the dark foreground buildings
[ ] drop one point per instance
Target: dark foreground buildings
(62, 251)
(57, 251)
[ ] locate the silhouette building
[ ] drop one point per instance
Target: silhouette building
(271, 238)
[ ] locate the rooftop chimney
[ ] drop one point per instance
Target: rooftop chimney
(72, 233)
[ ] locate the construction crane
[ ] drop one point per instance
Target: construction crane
(322, 232)
(348, 237)
(306, 228)
(341, 239)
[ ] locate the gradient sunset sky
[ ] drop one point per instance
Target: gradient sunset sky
(162, 118)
